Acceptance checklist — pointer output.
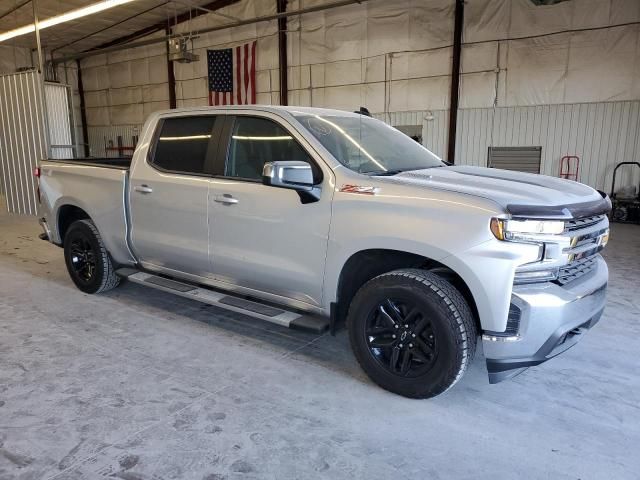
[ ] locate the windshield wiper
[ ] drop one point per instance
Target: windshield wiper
(388, 173)
(384, 173)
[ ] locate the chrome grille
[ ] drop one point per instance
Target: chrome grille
(576, 269)
(579, 223)
(588, 236)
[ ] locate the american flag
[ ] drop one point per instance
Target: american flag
(232, 75)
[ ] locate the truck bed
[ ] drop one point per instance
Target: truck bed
(99, 187)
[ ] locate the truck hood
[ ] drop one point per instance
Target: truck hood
(520, 194)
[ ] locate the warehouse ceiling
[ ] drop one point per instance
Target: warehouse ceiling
(95, 30)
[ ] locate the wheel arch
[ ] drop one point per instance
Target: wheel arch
(110, 223)
(365, 265)
(67, 214)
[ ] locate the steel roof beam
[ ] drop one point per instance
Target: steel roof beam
(265, 18)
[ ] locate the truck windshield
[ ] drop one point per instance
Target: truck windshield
(367, 145)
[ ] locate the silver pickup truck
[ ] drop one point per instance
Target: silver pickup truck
(311, 218)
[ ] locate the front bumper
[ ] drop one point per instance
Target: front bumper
(553, 318)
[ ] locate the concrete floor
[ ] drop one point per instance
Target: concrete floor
(135, 384)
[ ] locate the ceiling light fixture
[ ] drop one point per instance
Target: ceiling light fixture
(64, 17)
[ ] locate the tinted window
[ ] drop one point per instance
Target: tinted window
(183, 143)
(255, 141)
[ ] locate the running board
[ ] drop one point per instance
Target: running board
(277, 315)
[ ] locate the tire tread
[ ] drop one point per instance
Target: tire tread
(109, 278)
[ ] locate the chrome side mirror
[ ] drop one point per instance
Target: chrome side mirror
(293, 175)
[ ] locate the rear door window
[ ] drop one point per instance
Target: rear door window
(184, 143)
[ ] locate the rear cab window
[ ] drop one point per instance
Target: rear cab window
(185, 145)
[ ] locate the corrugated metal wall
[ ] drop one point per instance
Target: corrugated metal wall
(601, 134)
(59, 120)
(103, 141)
(22, 139)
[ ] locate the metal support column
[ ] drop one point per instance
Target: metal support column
(282, 52)
(83, 112)
(36, 24)
(455, 80)
(171, 74)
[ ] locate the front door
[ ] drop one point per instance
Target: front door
(169, 192)
(264, 238)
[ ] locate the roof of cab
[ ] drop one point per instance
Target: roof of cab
(263, 108)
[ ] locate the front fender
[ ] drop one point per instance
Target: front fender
(449, 228)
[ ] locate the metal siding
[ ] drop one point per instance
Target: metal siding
(59, 120)
(99, 139)
(22, 139)
(601, 134)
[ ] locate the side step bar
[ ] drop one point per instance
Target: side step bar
(251, 308)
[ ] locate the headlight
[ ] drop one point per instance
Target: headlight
(534, 232)
(524, 230)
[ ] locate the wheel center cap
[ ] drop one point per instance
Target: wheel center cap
(403, 336)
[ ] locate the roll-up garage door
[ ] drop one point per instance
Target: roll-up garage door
(519, 159)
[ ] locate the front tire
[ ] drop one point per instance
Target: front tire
(88, 262)
(412, 332)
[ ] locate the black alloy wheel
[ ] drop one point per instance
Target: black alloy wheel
(83, 259)
(401, 337)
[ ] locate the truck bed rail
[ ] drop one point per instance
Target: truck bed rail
(108, 162)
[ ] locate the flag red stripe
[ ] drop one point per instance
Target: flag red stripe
(237, 81)
(253, 72)
(246, 71)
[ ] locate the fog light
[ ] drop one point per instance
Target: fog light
(535, 276)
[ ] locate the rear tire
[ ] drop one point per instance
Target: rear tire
(412, 332)
(88, 262)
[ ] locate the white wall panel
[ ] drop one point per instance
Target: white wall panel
(122, 87)
(125, 96)
(420, 64)
(132, 114)
(12, 58)
(98, 116)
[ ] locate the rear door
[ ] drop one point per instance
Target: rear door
(264, 238)
(168, 195)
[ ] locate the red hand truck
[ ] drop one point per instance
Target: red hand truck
(566, 165)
